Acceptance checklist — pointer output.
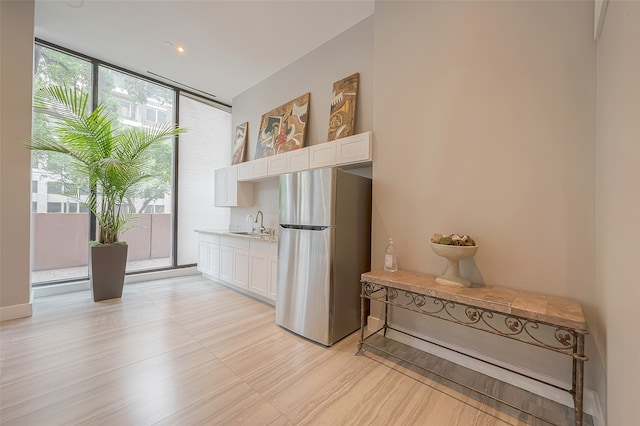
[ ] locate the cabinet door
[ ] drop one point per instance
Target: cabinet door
(229, 192)
(277, 164)
(259, 168)
(232, 186)
(258, 273)
(272, 260)
(226, 264)
(322, 155)
(245, 170)
(203, 257)
(298, 160)
(241, 268)
(220, 194)
(214, 260)
(354, 149)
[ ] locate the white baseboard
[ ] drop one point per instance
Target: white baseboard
(15, 311)
(84, 285)
(248, 293)
(160, 275)
(54, 289)
(591, 402)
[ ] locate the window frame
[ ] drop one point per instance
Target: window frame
(178, 91)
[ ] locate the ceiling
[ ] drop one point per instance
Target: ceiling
(229, 45)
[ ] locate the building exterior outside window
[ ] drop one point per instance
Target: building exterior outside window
(59, 216)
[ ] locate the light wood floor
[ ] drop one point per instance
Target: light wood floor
(188, 351)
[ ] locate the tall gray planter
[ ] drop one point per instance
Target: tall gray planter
(108, 264)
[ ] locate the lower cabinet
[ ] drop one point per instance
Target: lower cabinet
(213, 253)
(263, 267)
(203, 257)
(258, 275)
(209, 254)
(273, 275)
(226, 264)
(247, 264)
(241, 268)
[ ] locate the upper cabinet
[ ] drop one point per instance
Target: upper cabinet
(277, 164)
(356, 149)
(229, 192)
(298, 160)
(252, 170)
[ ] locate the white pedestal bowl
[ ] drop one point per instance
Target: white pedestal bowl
(453, 254)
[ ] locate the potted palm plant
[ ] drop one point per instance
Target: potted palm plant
(113, 158)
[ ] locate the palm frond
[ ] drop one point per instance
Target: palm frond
(114, 161)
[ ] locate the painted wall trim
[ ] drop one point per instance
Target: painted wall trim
(591, 401)
(16, 311)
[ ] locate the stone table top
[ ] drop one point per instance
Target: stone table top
(559, 311)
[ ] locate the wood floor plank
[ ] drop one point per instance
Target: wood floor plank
(188, 351)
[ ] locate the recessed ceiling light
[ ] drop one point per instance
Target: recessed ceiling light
(178, 47)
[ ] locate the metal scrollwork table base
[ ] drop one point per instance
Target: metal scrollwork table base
(548, 322)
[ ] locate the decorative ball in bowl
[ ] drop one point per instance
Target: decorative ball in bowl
(453, 248)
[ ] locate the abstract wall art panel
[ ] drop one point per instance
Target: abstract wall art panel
(343, 107)
(284, 128)
(239, 143)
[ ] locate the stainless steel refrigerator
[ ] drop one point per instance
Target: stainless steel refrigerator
(323, 247)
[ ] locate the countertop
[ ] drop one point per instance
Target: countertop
(259, 237)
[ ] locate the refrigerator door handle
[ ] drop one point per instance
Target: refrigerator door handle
(307, 227)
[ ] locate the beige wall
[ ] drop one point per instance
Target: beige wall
(16, 64)
(485, 124)
(484, 120)
(618, 206)
(349, 52)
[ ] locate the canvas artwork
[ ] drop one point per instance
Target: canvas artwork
(239, 143)
(343, 107)
(284, 128)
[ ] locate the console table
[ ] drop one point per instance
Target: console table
(549, 322)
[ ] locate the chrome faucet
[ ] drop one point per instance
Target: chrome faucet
(262, 228)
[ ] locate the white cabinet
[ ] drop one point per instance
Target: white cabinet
(241, 268)
(298, 160)
(248, 264)
(258, 273)
(322, 155)
(203, 257)
(252, 170)
(277, 164)
(354, 149)
(209, 254)
(226, 264)
(233, 184)
(229, 192)
(272, 270)
(234, 261)
(213, 252)
(263, 267)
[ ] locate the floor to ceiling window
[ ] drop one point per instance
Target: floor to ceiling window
(141, 103)
(60, 223)
(204, 148)
(162, 233)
